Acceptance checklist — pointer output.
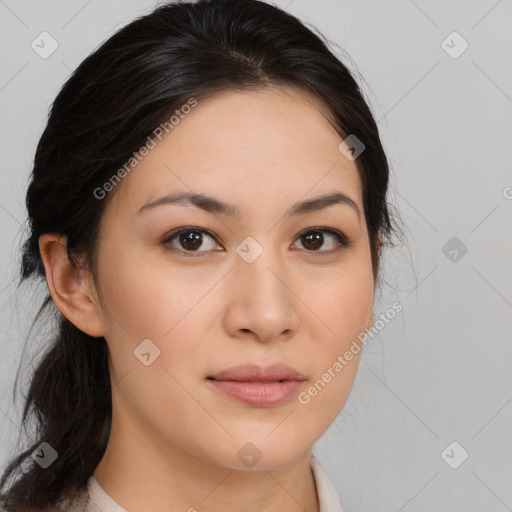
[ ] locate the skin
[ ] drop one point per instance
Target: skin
(174, 438)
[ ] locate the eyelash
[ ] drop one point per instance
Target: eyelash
(343, 240)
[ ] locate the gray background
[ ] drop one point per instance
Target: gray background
(441, 370)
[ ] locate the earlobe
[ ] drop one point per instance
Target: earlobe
(72, 289)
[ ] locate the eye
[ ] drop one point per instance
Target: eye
(190, 240)
(314, 238)
(193, 241)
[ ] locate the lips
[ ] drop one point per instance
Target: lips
(255, 373)
(256, 385)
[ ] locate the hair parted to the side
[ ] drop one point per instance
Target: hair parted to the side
(103, 114)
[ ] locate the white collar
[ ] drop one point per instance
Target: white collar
(327, 497)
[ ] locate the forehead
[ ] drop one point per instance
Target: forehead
(260, 147)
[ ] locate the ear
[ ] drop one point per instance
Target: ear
(72, 289)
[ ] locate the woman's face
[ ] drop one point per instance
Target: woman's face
(265, 285)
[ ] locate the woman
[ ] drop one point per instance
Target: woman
(208, 208)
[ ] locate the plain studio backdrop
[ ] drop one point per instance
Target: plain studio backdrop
(428, 424)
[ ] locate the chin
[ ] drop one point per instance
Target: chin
(261, 451)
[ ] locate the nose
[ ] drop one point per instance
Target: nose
(261, 303)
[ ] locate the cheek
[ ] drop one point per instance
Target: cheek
(146, 302)
(342, 300)
(146, 297)
(344, 304)
(149, 300)
(335, 356)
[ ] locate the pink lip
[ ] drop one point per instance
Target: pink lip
(257, 385)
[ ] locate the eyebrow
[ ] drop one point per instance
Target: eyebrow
(213, 205)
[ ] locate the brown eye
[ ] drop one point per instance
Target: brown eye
(190, 240)
(314, 239)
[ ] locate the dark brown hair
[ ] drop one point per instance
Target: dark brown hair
(103, 114)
